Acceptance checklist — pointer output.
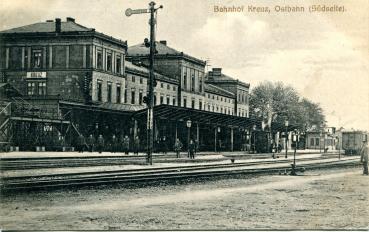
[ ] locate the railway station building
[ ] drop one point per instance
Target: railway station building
(60, 80)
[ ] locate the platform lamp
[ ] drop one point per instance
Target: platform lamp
(295, 139)
(188, 124)
(248, 138)
(320, 142)
(286, 136)
(339, 147)
(254, 132)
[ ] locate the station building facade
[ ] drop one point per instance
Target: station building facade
(63, 80)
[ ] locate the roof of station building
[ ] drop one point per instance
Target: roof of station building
(145, 71)
(162, 50)
(48, 26)
(217, 90)
(222, 78)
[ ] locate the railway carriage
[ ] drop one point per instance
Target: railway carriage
(352, 141)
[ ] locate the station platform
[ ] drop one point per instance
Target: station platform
(215, 159)
(199, 155)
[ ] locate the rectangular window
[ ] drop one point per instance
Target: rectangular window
(200, 105)
(161, 100)
(161, 85)
(174, 101)
(125, 95)
(109, 90)
(42, 88)
(109, 62)
(140, 98)
(168, 100)
(26, 58)
(118, 95)
(193, 104)
(174, 88)
(37, 58)
(312, 141)
(184, 102)
(193, 82)
(141, 80)
(168, 86)
(155, 103)
(185, 79)
(317, 142)
(133, 79)
(99, 91)
(99, 60)
(200, 84)
(31, 88)
(133, 96)
(117, 64)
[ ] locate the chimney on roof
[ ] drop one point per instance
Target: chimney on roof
(164, 42)
(217, 71)
(70, 19)
(57, 25)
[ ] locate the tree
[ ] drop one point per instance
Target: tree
(312, 116)
(274, 103)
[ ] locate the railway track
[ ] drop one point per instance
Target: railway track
(156, 174)
(60, 162)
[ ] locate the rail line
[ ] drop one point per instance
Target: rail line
(156, 174)
(59, 162)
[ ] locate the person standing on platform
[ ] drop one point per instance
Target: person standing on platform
(164, 145)
(136, 145)
(364, 157)
(91, 143)
(81, 143)
(126, 144)
(196, 146)
(178, 147)
(100, 143)
(114, 144)
(192, 148)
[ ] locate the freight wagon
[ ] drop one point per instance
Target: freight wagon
(353, 141)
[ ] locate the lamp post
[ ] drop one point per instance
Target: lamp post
(248, 139)
(339, 148)
(286, 136)
(295, 139)
(254, 132)
(149, 100)
(216, 131)
(188, 124)
(320, 142)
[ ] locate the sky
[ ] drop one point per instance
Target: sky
(325, 56)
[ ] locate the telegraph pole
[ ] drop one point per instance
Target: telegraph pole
(149, 100)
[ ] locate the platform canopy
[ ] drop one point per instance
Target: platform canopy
(175, 113)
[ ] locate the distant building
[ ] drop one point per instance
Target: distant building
(320, 140)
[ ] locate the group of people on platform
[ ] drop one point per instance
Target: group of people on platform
(123, 144)
(113, 145)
